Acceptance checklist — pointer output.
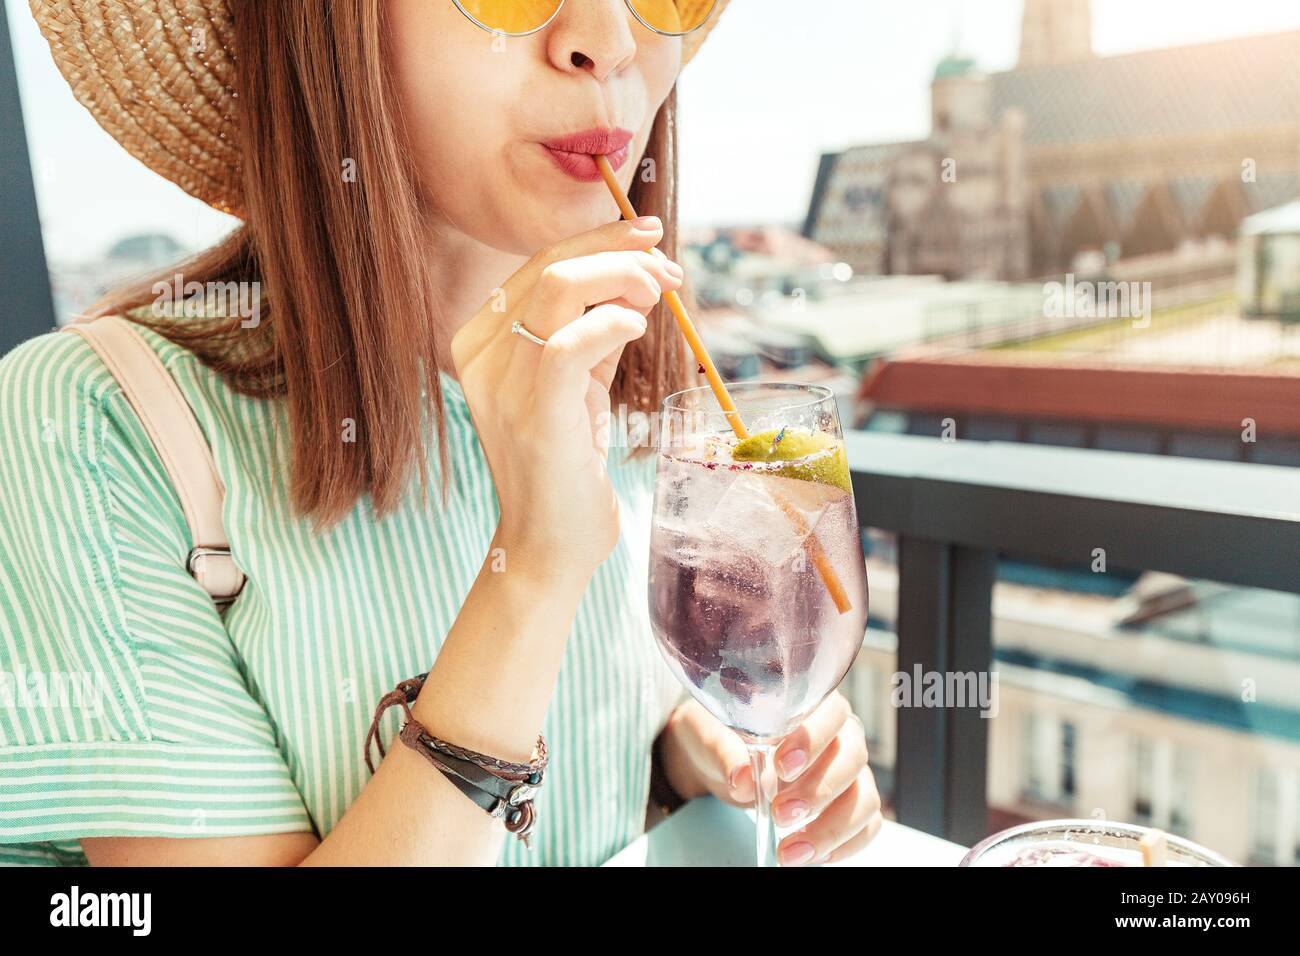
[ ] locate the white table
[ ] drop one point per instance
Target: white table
(708, 832)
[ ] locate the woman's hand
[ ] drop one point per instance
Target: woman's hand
(825, 782)
(542, 412)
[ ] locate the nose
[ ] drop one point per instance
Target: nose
(592, 36)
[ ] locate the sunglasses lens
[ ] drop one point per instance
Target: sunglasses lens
(511, 16)
(674, 16)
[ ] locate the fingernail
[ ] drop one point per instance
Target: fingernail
(790, 812)
(733, 778)
(792, 763)
(674, 270)
(796, 854)
(646, 222)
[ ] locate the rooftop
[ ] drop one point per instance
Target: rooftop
(1281, 220)
(1238, 84)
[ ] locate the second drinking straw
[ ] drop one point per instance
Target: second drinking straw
(688, 330)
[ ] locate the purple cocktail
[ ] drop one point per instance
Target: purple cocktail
(758, 590)
(741, 615)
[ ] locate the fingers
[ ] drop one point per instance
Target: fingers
(621, 287)
(805, 744)
(846, 817)
(574, 350)
(607, 266)
(566, 288)
(642, 234)
(824, 781)
(608, 367)
(858, 842)
(733, 758)
(719, 754)
(603, 374)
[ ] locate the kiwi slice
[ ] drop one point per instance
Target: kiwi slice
(787, 444)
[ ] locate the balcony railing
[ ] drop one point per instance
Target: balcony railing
(955, 505)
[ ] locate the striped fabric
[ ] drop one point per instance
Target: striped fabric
(127, 705)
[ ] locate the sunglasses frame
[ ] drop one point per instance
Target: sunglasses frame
(559, 6)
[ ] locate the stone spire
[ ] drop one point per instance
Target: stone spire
(1055, 31)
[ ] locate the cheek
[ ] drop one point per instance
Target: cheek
(450, 87)
(460, 137)
(658, 62)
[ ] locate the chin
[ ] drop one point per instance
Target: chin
(563, 224)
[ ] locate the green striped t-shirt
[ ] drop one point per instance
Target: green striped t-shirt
(128, 706)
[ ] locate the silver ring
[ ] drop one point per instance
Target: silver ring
(517, 328)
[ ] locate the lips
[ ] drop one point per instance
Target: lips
(575, 154)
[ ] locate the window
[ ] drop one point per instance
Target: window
(1266, 814)
(1143, 758)
(1180, 798)
(1049, 754)
(1067, 761)
(1163, 778)
(1276, 817)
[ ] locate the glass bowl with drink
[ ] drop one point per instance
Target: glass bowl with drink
(758, 590)
(1091, 843)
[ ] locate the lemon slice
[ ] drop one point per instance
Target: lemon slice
(827, 466)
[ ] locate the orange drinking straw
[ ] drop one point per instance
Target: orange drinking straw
(822, 563)
(679, 313)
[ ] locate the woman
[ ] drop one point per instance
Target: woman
(411, 186)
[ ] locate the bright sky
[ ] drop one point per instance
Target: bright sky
(769, 93)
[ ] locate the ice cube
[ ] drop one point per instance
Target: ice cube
(768, 517)
(686, 493)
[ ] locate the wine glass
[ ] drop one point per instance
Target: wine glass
(758, 588)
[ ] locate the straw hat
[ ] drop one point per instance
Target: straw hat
(159, 76)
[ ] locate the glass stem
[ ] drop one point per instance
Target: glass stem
(760, 755)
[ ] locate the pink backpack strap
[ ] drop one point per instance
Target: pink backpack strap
(175, 433)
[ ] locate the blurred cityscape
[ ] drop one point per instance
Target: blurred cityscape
(1098, 252)
(1086, 251)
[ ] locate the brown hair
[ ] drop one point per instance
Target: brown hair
(348, 324)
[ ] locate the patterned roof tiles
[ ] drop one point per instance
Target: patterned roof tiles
(1230, 84)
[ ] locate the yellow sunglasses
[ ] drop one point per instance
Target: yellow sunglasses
(519, 18)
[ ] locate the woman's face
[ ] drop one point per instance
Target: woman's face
(503, 128)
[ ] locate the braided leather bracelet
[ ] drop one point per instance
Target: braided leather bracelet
(504, 789)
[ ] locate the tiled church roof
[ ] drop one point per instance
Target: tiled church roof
(1272, 189)
(1190, 194)
(1209, 87)
(1124, 198)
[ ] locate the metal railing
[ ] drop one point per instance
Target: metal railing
(955, 505)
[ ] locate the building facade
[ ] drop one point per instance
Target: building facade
(1163, 725)
(1070, 153)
